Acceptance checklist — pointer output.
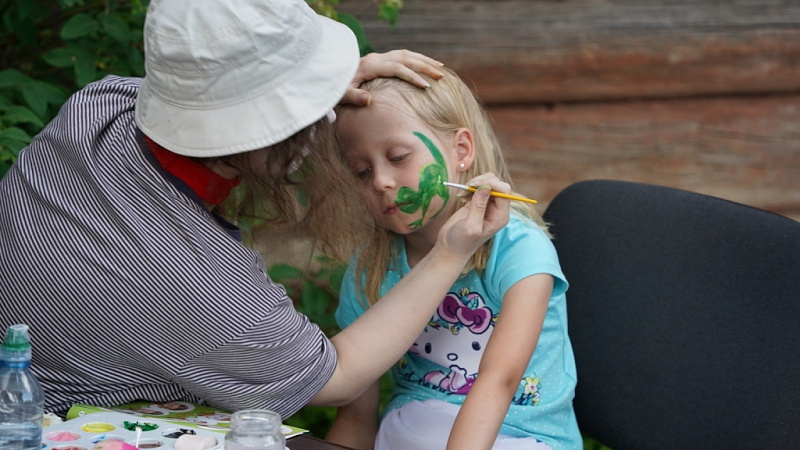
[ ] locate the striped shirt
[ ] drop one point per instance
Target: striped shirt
(131, 288)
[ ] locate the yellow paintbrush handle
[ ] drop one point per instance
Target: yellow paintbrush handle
(508, 196)
(513, 197)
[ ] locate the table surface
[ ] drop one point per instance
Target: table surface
(308, 442)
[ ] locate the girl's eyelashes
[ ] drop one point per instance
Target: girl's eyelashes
(359, 168)
(363, 174)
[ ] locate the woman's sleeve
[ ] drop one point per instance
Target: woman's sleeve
(279, 363)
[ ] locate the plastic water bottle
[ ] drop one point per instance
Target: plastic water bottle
(255, 429)
(21, 395)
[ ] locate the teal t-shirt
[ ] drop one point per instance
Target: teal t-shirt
(443, 362)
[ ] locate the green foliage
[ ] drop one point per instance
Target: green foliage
(364, 46)
(389, 10)
(315, 292)
(590, 443)
(52, 48)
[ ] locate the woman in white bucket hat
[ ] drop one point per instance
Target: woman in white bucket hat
(134, 285)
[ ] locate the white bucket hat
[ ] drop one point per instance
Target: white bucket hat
(230, 76)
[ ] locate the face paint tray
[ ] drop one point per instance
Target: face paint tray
(84, 432)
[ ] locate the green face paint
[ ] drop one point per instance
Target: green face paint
(430, 185)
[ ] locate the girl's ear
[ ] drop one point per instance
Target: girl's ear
(465, 149)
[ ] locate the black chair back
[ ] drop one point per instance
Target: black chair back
(684, 315)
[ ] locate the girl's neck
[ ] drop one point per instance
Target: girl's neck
(416, 250)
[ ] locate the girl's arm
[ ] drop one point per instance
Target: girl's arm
(503, 363)
(356, 424)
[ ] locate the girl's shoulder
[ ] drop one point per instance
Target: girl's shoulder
(522, 241)
(522, 227)
(520, 249)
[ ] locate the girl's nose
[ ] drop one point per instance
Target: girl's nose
(382, 180)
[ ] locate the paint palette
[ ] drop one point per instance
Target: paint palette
(83, 433)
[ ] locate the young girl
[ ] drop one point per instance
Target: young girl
(478, 376)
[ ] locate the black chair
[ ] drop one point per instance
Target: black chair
(684, 315)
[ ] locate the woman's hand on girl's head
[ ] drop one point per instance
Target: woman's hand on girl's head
(479, 219)
(403, 64)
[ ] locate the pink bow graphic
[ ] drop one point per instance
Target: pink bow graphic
(453, 311)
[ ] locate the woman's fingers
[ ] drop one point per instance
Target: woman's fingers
(488, 213)
(403, 64)
(492, 181)
(479, 219)
(497, 210)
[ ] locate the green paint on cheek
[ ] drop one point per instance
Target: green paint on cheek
(430, 186)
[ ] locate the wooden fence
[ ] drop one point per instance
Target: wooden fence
(699, 95)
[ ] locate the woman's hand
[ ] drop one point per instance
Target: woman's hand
(479, 219)
(403, 64)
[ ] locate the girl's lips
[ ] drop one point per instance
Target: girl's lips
(393, 208)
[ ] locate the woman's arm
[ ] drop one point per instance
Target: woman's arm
(503, 363)
(356, 424)
(376, 340)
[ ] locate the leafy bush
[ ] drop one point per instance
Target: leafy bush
(315, 292)
(52, 48)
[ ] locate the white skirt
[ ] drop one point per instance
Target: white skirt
(426, 426)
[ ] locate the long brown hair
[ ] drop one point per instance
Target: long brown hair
(309, 184)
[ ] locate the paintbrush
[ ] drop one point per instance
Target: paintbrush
(493, 193)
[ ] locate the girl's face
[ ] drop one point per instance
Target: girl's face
(400, 164)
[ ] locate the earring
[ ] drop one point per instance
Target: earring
(461, 166)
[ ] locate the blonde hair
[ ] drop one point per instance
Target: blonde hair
(445, 107)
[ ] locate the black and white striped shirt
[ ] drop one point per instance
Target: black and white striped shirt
(131, 288)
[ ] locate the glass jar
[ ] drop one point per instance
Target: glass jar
(255, 429)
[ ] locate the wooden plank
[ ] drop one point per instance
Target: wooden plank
(744, 150)
(579, 50)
